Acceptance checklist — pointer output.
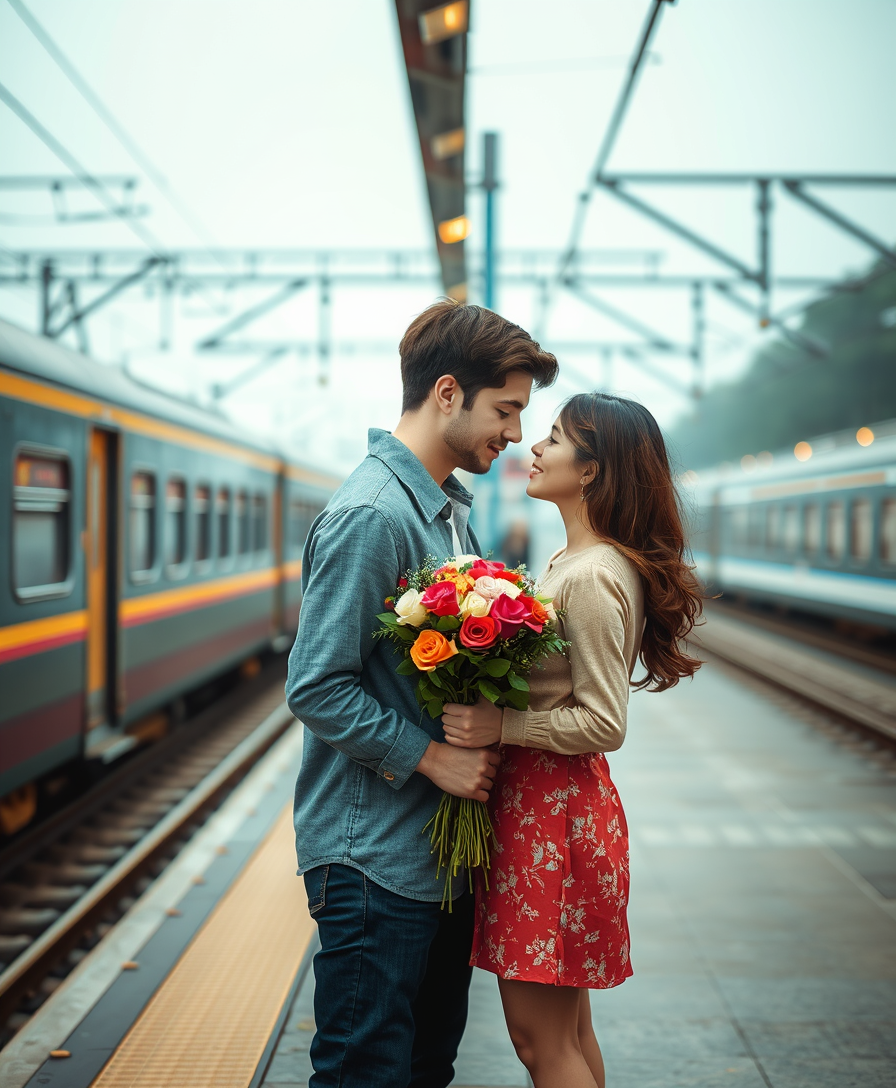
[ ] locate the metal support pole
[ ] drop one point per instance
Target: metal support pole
(490, 184)
(46, 309)
(764, 207)
(324, 345)
(697, 349)
(76, 319)
(166, 309)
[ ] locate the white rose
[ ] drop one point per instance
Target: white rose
(462, 560)
(487, 587)
(408, 608)
(474, 604)
(512, 591)
(551, 611)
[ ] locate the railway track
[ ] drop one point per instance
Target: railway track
(852, 682)
(67, 883)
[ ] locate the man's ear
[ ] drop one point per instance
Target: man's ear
(447, 393)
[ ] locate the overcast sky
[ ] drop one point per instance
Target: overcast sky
(288, 123)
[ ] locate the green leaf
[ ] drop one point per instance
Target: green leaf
(488, 690)
(407, 668)
(447, 623)
(388, 618)
(434, 708)
(518, 700)
(517, 682)
(435, 679)
(498, 666)
(407, 634)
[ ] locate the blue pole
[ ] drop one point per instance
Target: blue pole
(490, 184)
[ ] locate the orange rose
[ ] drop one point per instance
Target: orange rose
(539, 612)
(431, 649)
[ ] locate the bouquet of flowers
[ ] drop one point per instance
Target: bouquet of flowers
(468, 627)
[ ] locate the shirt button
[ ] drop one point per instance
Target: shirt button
(388, 777)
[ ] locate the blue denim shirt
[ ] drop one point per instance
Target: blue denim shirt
(358, 799)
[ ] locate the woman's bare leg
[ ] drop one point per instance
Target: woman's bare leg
(588, 1041)
(543, 1022)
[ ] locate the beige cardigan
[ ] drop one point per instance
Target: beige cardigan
(578, 702)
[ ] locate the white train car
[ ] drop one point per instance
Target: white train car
(815, 535)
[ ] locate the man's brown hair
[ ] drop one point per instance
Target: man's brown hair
(475, 346)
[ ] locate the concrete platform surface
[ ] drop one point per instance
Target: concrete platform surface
(763, 914)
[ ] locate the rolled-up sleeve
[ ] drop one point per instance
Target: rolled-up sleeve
(352, 563)
(594, 719)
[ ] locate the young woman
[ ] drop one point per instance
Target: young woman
(552, 924)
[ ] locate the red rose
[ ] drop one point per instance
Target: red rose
(478, 632)
(511, 614)
(537, 614)
(508, 576)
(403, 583)
(484, 568)
(441, 598)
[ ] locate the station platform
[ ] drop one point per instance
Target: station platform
(763, 920)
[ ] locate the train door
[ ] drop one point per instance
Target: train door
(281, 512)
(101, 558)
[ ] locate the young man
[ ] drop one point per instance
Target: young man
(392, 974)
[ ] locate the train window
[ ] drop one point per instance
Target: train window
(175, 523)
(860, 530)
(259, 522)
(756, 527)
(203, 506)
(888, 531)
(836, 526)
(772, 526)
(790, 533)
(143, 522)
(242, 522)
(40, 525)
(223, 523)
(739, 522)
(812, 528)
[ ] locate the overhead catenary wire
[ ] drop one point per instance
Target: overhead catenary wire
(80, 172)
(118, 130)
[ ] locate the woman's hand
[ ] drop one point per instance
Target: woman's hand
(475, 726)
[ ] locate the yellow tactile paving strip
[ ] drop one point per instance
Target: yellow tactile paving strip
(209, 1023)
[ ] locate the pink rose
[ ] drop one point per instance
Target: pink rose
(478, 632)
(510, 613)
(487, 587)
(441, 598)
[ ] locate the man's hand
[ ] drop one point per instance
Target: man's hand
(475, 726)
(463, 772)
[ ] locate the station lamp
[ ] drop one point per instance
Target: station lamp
(445, 21)
(454, 230)
(802, 451)
(447, 144)
(458, 292)
(864, 436)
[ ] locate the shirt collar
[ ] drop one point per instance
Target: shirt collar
(426, 493)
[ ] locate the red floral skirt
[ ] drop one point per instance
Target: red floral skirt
(555, 909)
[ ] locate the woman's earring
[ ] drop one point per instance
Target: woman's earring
(582, 497)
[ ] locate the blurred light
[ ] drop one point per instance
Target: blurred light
(748, 462)
(444, 22)
(689, 477)
(864, 436)
(888, 317)
(802, 451)
(458, 292)
(447, 144)
(454, 230)
(765, 458)
(764, 322)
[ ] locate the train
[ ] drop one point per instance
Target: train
(811, 530)
(151, 546)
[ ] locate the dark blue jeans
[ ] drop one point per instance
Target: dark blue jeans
(391, 982)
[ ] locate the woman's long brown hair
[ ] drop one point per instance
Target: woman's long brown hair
(631, 502)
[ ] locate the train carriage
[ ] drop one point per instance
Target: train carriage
(817, 536)
(151, 547)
